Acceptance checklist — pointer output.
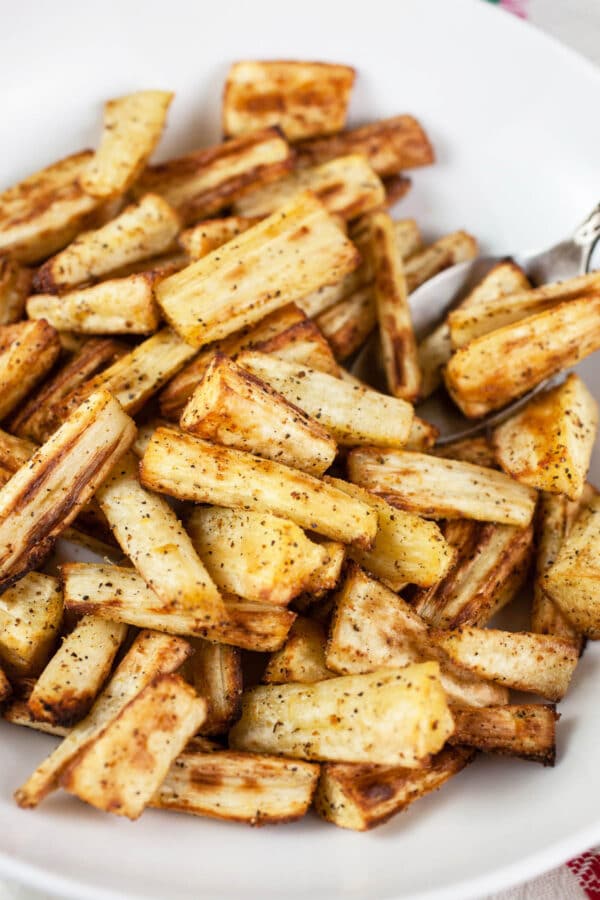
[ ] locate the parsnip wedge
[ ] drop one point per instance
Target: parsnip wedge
(525, 731)
(201, 184)
(407, 549)
(152, 536)
(347, 187)
(441, 488)
(116, 306)
(292, 252)
(540, 663)
(573, 581)
(150, 654)
(209, 235)
(74, 676)
(549, 443)
(491, 566)
(122, 595)
(352, 414)
(120, 770)
(141, 231)
(137, 375)
(45, 211)
(554, 519)
(399, 347)
(238, 787)
(215, 671)
(182, 386)
(390, 717)
(504, 278)
(46, 493)
(31, 613)
(374, 628)
(192, 469)
(445, 252)
(28, 350)
(42, 414)
(133, 125)
(15, 286)
(389, 144)
(498, 367)
(361, 797)
(302, 657)
(488, 314)
(302, 98)
(232, 407)
(349, 322)
(255, 555)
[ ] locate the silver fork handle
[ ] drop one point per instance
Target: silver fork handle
(587, 236)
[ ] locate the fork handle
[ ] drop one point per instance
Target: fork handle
(587, 235)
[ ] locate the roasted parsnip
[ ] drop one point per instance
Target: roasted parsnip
(302, 657)
(41, 214)
(201, 184)
(407, 549)
(303, 98)
(181, 387)
(374, 628)
(137, 375)
(150, 655)
(435, 350)
(390, 717)
(573, 580)
(215, 671)
(28, 350)
(211, 234)
(349, 322)
(553, 521)
(360, 797)
(116, 306)
(122, 595)
(347, 187)
(30, 618)
(256, 555)
(491, 566)
(46, 493)
(549, 443)
(133, 125)
(233, 407)
(494, 369)
(352, 414)
(238, 787)
(141, 231)
(192, 469)
(525, 731)
(74, 676)
(154, 539)
(398, 344)
(490, 313)
(117, 772)
(43, 414)
(15, 285)
(441, 488)
(445, 252)
(292, 252)
(540, 663)
(389, 144)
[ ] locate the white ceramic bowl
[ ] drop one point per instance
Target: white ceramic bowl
(513, 118)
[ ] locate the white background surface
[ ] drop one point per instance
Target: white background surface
(576, 22)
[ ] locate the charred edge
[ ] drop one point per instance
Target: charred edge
(47, 528)
(95, 356)
(211, 201)
(67, 711)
